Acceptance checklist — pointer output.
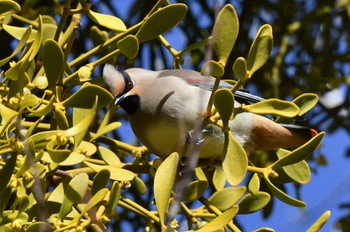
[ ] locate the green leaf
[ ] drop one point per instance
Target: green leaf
(193, 190)
(129, 46)
(240, 69)
(254, 184)
(113, 199)
(95, 199)
(108, 156)
(9, 7)
(163, 183)
(212, 68)
(281, 195)
(317, 226)
(117, 173)
(306, 102)
(34, 49)
(227, 197)
(161, 21)
(25, 36)
(140, 185)
(220, 221)
(298, 172)
(39, 226)
(225, 32)
(224, 102)
(260, 50)
(235, 163)
(53, 62)
(275, 107)
(73, 194)
(7, 171)
(43, 109)
(82, 119)
(61, 119)
(88, 92)
(300, 153)
(253, 202)
(56, 155)
(108, 21)
(7, 114)
(110, 127)
(219, 178)
(264, 229)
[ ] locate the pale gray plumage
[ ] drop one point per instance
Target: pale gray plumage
(163, 106)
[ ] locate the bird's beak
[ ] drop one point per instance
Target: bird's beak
(119, 99)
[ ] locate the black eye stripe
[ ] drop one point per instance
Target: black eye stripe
(129, 84)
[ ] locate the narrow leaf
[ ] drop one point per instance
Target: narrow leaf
(275, 107)
(317, 226)
(220, 221)
(163, 183)
(235, 163)
(53, 62)
(108, 21)
(227, 197)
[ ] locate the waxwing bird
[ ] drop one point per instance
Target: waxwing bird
(164, 107)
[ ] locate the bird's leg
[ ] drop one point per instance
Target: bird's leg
(197, 141)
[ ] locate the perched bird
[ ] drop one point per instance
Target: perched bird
(164, 108)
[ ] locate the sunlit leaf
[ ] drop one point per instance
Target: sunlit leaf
(275, 107)
(53, 61)
(224, 36)
(253, 202)
(260, 49)
(219, 178)
(88, 92)
(254, 184)
(317, 226)
(43, 109)
(212, 68)
(110, 127)
(161, 21)
(227, 197)
(240, 68)
(117, 173)
(300, 153)
(129, 46)
(306, 102)
(108, 156)
(220, 221)
(283, 196)
(235, 162)
(108, 21)
(113, 199)
(193, 190)
(163, 183)
(223, 102)
(140, 185)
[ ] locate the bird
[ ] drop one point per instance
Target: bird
(164, 108)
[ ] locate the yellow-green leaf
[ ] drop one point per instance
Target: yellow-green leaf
(88, 92)
(113, 199)
(129, 46)
(253, 202)
(298, 172)
(117, 173)
(225, 32)
(8, 7)
(240, 69)
(227, 197)
(212, 68)
(110, 127)
(219, 179)
(161, 21)
(26, 36)
(224, 102)
(163, 183)
(260, 49)
(108, 21)
(43, 109)
(235, 163)
(140, 185)
(281, 195)
(220, 221)
(317, 226)
(53, 62)
(108, 156)
(254, 184)
(300, 153)
(193, 190)
(306, 102)
(275, 107)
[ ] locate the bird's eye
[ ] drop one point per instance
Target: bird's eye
(129, 85)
